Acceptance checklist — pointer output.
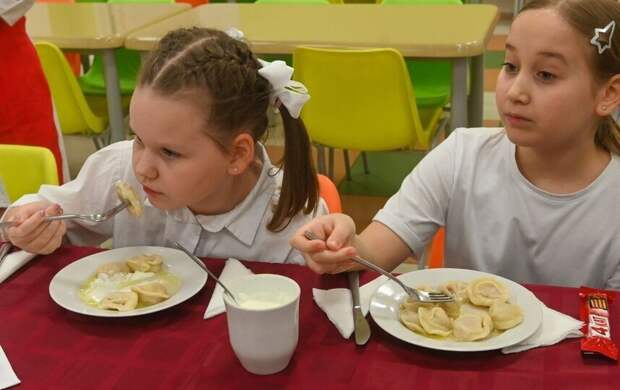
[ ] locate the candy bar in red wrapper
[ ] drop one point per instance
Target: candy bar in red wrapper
(594, 312)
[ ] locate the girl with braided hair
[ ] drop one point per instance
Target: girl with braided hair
(199, 112)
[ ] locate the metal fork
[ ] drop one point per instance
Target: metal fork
(99, 217)
(422, 296)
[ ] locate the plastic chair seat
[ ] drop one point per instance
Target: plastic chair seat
(24, 168)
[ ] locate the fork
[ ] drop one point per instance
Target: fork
(99, 217)
(419, 295)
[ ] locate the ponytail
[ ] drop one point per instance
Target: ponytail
(608, 135)
(300, 188)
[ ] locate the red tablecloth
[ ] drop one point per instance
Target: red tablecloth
(52, 348)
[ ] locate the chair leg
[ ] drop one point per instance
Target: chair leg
(330, 164)
(347, 167)
(320, 154)
(365, 160)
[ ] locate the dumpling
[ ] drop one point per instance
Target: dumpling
(435, 321)
(145, 263)
(452, 309)
(411, 320)
(485, 291)
(113, 268)
(472, 326)
(456, 289)
(151, 293)
(505, 315)
(127, 194)
(120, 300)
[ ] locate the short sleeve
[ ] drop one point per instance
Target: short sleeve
(420, 206)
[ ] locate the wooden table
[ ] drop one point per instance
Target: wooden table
(97, 27)
(457, 33)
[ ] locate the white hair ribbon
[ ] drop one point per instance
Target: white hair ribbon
(292, 94)
(616, 116)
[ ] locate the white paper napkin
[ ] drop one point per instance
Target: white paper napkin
(7, 375)
(555, 327)
(13, 262)
(338, 304)
(233, 269)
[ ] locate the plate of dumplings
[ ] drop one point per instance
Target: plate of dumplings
(126, 282)
(489, 312)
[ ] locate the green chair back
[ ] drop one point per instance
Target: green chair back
(127, 63)
(74, 113)
(24, 168)
(432, 79)
(362, 100)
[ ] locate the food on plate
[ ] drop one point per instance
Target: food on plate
(137, 282)
(481, 309)
(145, 263)
(127, 194)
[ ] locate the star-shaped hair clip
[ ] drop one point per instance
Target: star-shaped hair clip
(603, 36)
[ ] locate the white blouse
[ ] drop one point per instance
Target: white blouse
(240, 233)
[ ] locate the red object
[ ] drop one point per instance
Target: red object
(594, 312)
(52, 348)
(26, 111)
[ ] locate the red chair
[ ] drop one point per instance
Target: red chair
(329, 192)
(436, 257)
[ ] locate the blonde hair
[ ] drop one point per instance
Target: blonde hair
(584, 16)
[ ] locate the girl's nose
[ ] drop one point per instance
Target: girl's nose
(518, 91)
(145, 165)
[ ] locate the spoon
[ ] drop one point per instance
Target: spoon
(204, 267)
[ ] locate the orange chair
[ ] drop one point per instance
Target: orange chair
(436, 257)
(329, 192)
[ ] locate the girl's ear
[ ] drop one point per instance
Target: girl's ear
(242, 154)
(610, 97)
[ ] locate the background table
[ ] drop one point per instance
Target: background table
(52, 348)
(450, 32)
(97, 27)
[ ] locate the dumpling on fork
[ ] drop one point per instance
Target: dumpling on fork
(127, 194)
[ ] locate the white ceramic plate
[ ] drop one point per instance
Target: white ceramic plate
(385, 304)
(65, 285)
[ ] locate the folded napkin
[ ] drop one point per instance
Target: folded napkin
(7, 375)
(555, 327)
(338, 304)
(13, 262)
(233, 269)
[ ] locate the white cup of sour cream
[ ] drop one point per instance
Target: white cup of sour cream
(264, 327)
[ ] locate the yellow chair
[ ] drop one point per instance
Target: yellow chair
(24, 168)
(74, 113)
(362, 100)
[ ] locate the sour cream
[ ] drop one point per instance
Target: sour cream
(263, 300)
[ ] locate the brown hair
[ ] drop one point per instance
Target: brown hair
(584, 16)
(220, 75)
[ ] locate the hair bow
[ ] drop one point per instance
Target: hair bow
(292, 94)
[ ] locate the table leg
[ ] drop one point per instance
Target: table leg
(459, 93)
(113, 96)
(476, 98)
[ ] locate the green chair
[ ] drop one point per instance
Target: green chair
(363, 100)
(24, 168)
(74, 113)
(127, 63)
(432, 79)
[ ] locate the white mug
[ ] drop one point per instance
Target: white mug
(264, 327)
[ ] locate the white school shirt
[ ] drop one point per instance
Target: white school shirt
(240, 233)
(498, 222)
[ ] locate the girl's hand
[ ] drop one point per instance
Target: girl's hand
(332, 252)
(33, 234)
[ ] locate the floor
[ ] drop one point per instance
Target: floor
(361, 208)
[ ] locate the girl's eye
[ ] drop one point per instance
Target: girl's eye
(546, 76)
(509, 67)
(169, 153)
